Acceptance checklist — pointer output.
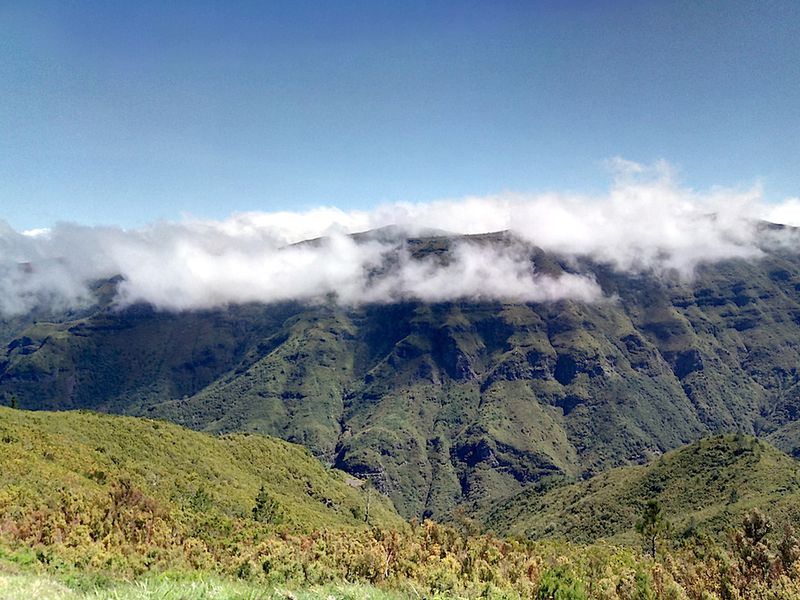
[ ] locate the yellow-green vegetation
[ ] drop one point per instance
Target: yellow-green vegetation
(95, 506)
(434, 561)
(98, 489)
(705, 487)
(47, 587)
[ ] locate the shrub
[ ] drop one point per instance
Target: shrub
(559, 584)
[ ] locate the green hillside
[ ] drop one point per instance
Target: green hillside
(449, 403)
(98, 506)
(74, 469)
(704, 487)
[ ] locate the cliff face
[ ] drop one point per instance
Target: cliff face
(450, 402)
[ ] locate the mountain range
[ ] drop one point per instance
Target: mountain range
(464, 402)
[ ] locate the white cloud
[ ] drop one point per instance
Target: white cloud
(787, 212)
(479, 272)
(644, 222)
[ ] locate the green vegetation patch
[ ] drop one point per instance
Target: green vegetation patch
(704, 487)
(98, 490)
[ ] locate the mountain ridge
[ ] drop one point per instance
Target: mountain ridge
(458, 402)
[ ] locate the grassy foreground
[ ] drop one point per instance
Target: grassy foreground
(93, 506)
(46, 587)
(433, 561)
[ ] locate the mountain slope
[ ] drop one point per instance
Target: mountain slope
(88, 456)
(450, 402)
(707, 485)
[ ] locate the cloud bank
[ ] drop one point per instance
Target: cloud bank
(645, 222)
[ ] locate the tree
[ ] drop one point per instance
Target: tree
(788, 549)
(652, 525)
(751, 544)
(267, 509)
(560, 584)
(369, 498)
(758, 560)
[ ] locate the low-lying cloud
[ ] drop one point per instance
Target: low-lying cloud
(645, 222)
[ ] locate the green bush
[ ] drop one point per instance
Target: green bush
(560, 584)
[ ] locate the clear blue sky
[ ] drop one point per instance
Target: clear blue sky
(127, 112)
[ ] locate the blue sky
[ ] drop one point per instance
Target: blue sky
(128, 112)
